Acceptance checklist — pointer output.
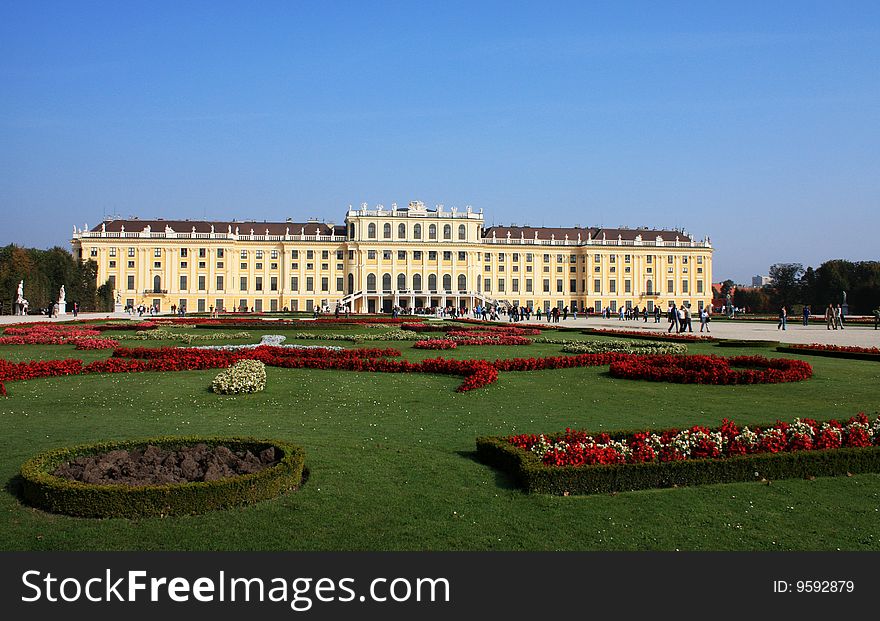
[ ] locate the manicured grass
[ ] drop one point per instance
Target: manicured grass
(391, 457)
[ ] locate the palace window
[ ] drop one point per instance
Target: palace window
(447, 255)
(447, 231)
(112, 264)
(310, 283)
(572, 285)
(219, 283)
(386, 255)
(546, 285)
(131, 264)
(528, 285)
(219, 253)
(462, 232)
(462, 256)
(294, 283)
(325, 284)
(258, 284)
(386, 231)
(371, 230)
(432, 255)
(417, 255)
(273, 283)
(294, 254)
(259, 255)
(131, 252)
(432, 231)
(157, 252)
(203, 253)
(201, 283)
(401, 231)
(401, 255)
(417, 231)
(112, 252)
(612, 286)
(559, 288)
(183, 283)
(371, 255)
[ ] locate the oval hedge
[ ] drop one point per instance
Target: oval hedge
(43, 490)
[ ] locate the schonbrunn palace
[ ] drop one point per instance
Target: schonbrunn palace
(412, 257)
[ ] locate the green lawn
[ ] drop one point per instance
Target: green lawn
(392, 466)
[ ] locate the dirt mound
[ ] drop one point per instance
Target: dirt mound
(152, 465)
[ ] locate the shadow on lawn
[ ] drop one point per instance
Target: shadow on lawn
(502, 479)
(13, 487)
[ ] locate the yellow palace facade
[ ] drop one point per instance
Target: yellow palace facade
(412, 257)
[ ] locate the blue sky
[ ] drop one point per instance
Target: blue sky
(755, 123)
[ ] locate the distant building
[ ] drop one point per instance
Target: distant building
(761, 281)
(403, 256)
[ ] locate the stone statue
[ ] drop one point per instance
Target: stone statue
(20, 290)
(118, 297)
(844, 298)
(62, 296)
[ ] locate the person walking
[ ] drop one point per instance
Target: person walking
(838, 317)
(806, 315)
(657, 314)
(687, 319)
(829, 318)
(704, 320)
(673, 318)
(783, 314)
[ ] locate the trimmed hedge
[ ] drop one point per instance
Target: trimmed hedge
(744, 343)
(535, 477)
(660, 336)
(853, 355)
(45, 491)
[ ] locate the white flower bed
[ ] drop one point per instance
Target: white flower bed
(271, 340)
(161, 334)
(390, 335)
(622, 347)
(245, 376)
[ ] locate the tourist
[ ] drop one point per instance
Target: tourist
(657, 314)
(783, 314)
(672, 317)
(838, 316)
(538, 313)
(565, 313)
(806, 315)
(687, 319)
(704, 319)
(829, 318)
(75, 309)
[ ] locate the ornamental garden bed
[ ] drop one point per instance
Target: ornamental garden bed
(833, 351)
(654, 336)
(711, 369)
(745, 343)
(160, 476)
(574, 462)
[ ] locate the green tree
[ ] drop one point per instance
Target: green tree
(785, 288)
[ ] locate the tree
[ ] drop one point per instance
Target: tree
(726, 288)
(785, 289)
(753, 299)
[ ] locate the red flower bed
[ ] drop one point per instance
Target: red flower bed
(836, 348)
(46, 334)
(435, 344)
(578, 448)
(660, 336)
(426, 327)
(140, 325)
(712, 369)
(95, 343)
